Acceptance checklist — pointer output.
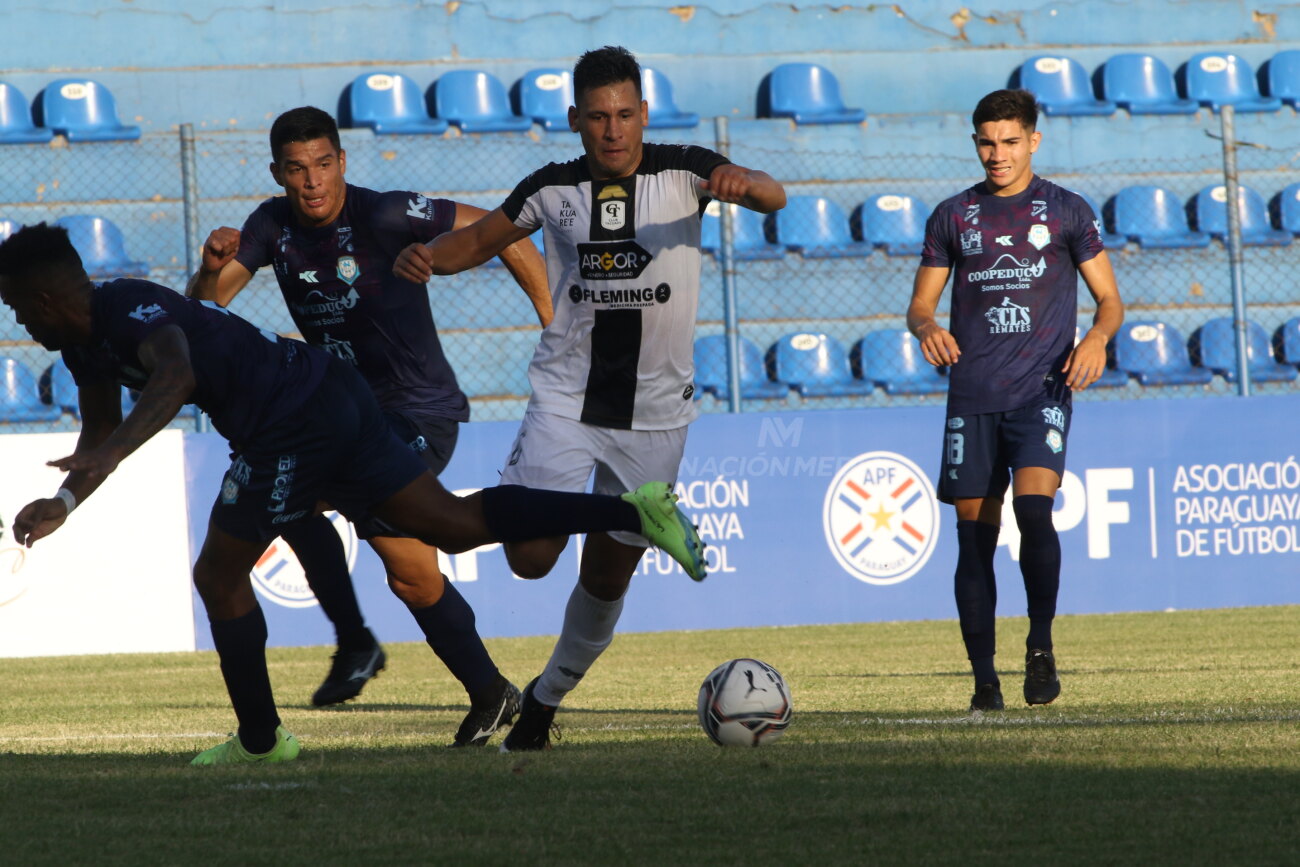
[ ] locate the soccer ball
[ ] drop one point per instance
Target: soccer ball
(744, 703)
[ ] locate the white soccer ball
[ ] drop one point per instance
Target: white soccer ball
(744, 703)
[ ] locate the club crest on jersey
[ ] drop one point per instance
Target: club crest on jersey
(1054, 441)
(972, 242)
(1037, 208)
(973, 214)
(1039, 236)
(1008, 318)
(348, 270)
(613, 215)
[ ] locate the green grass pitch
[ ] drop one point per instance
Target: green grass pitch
(1176, 740)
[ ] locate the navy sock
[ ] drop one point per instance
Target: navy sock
(1040, 565)
(514, 513)
(448, 626)
(320, 551)
(975, 589)
(241, 646)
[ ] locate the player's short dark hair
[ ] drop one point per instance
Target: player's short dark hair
(38, 246)
(1018, 105)
(599, 67)
(305, 123)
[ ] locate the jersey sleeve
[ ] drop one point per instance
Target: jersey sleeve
(137, 313)
(523, 207)
(937, 251)
(257, 239)
(1083, 229)
(407, 217)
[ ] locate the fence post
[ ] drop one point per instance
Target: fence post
(1236, 269)
(727, 262)
(190, 208)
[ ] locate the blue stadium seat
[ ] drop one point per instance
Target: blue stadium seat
(20, 398)
(1062, 87)
(1214, 346)
(1283, 77)
(1112, 240)
(893, 222)
(1217, 80)
(545, 96)
(711, 370)
(808, 93)
(1286, 342)
(1287, 208)
(82, 110)
(62, 389)
(476, 102)
(1211, 208)
(749, 239)
(101, 247)
(892, 358)
(1157, 355)
(657, 90)
(7, 228)
(1154, 217)
(390, 103)
(817, 228)
(1143, 85)
(816, 365)
(16, 125)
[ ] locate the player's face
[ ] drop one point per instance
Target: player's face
(32, 310)
(1005, 149)
(611, 121)
(311, 173)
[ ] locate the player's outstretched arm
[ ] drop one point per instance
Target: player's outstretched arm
(937, 345)
(165, 355)
(220, 277)
(459, 250)
(748, 188)
(523, 262)
(1087, 361)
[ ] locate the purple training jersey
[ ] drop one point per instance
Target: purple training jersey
(244, 378)
(339, 285)
(1014, 262)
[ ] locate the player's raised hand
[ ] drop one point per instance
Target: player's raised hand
(97, 463)
(38, 519)
(728, 183)
(939, 346)
(220, 248)
(414, 263)
(1086, 363)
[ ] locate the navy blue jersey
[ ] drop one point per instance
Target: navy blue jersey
(244, 378)
(339, 285)
(1014, 262)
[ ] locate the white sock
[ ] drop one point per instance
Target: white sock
(588, 629)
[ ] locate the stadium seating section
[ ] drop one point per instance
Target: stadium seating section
(807, 93)
(1214, 347)
(657, 91)
(545, 96)
(16, 126)
(389, 103)
(1143, 84)
(82, 110)
(476, 101)
(1062, 87)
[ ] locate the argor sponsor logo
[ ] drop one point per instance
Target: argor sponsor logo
(622, 260)
(279, 577)
(881, 518)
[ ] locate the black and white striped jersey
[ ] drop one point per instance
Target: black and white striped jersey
(623, 261)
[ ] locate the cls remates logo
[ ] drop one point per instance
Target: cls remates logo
(881, 518)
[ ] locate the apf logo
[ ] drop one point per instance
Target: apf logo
(279, 576)
(881, 518)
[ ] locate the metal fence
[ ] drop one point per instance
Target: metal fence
(803, 309)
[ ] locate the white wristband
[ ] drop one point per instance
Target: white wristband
(69, 500)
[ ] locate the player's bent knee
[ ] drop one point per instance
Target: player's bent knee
(533, 560)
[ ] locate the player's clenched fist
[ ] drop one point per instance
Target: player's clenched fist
(415, 263)
(220, 248)
(728, 183)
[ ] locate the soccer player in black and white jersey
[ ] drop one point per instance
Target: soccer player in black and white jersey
(612, 377)
(1015, 245)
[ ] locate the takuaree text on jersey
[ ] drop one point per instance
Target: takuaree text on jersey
(623, 261)
(339, 285)
(1014, 262)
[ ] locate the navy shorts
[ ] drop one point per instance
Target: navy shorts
(980, 452)
(433, 440)
(336, 448)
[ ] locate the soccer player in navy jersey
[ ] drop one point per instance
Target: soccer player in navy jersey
(1015, 245)
(331, 246)
(613, 375)
(304, 429)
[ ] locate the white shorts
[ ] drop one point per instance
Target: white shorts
(555, 453)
